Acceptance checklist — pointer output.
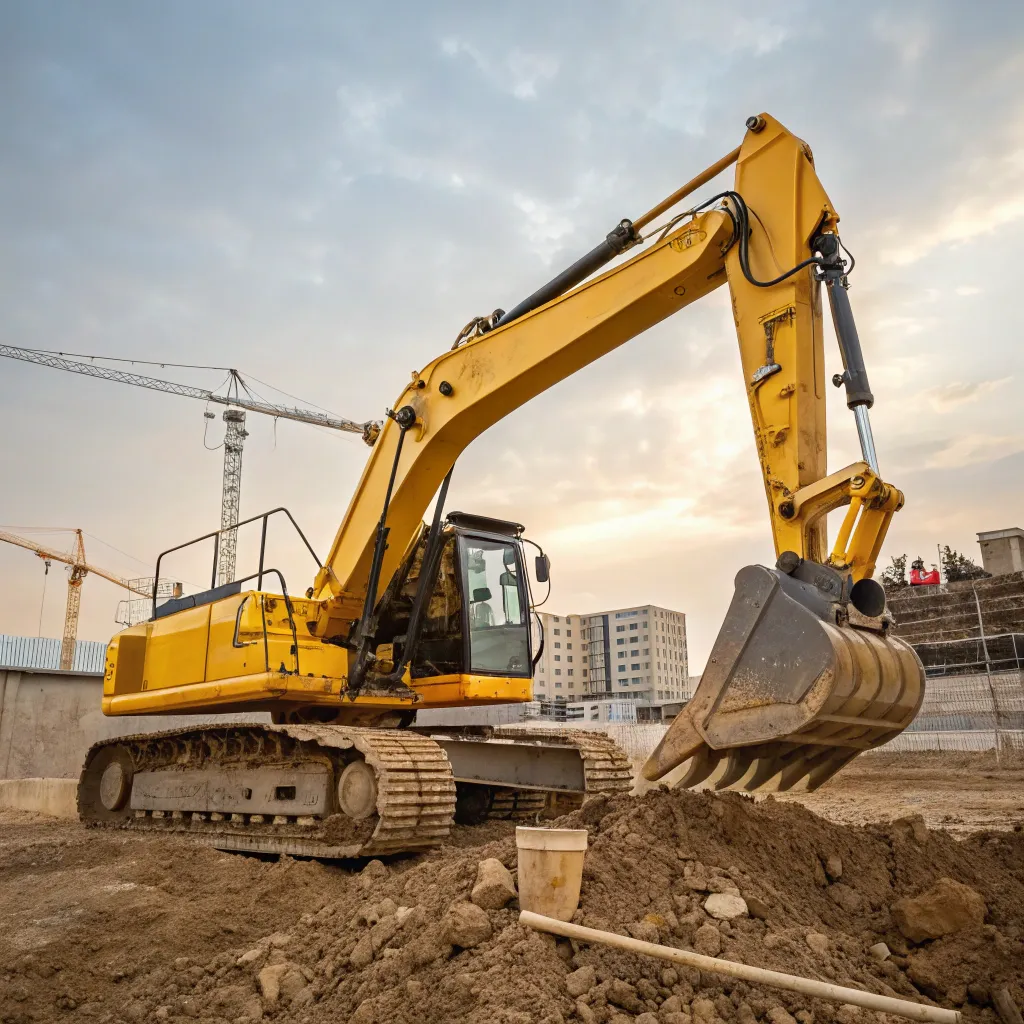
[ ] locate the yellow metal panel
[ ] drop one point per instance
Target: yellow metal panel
(223, 659)
(456, 690)
(176, 652)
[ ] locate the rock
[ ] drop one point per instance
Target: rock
(946, 908)
(401, 915)
(494, 886)
(979, 993)
(719, 884)
(672, 1005)
(252, 1009)
(779, 1015)
(621, 993)
(675, 1017)
(645, 931)
(834, 867)
(270, 982)
(303, 997)
(819, 873)
(585, 1014)
(278, 940)
(374, 871)
(817, 942)
(703, 1009)
(725, 906)
(250, 956)
(646, 1018)
(669, 977)
(847, 1014)
(362, 955)
(415, 989)
(757, 907)
(708, 940)
(580, 982)
(846, 897)
(880, 951)
(465, 925)
(918, 829)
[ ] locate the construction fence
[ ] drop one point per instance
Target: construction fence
(42, 653)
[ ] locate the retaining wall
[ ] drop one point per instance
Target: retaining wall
(49, 719)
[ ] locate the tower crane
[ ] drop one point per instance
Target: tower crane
(80, 568)
(239, 399)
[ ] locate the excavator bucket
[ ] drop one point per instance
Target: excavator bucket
(799, 682)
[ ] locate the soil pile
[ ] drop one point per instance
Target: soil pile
(403, 942)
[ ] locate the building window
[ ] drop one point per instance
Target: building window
(644, 624)
(584, 659)
(620, 629)
(584, 673)
(622, 654)
(568, 632)
(570, 672)
(634, 654)
(558, 672)
(569, 646)
(620, 640)
(635, 667)
(558, 632)
(645, 638)
(557, 644)
(647, 651)
(558, 686)
(632, 625)
(558, 657)
(556, 618)
(622, 668)
(568, 657)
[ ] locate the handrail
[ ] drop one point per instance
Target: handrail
(216, 545)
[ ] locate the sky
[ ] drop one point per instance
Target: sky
(322, 193)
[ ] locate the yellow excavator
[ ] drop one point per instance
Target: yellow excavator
(402, 615)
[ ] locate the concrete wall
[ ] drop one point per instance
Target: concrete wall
(48, 720)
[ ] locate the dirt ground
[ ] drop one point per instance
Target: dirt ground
(108, 927)
(958, 792)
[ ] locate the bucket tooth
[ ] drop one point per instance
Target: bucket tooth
(802, 767)
(702, 764)
(819, 775)
(739, 762)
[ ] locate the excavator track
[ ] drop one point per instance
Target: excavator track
(275, 789)
(415, 792)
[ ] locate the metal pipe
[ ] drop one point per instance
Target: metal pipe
(867, 439)
(691, 186)
(755, 975)
(616, 242)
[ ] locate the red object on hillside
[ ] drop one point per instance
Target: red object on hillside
(920, 578)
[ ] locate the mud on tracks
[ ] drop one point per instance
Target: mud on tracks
(96, 927)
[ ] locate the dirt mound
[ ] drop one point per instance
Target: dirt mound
(224, 938)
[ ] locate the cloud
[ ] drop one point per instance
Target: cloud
(944, 397)
(975, 448)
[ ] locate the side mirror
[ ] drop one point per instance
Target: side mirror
(542, 568)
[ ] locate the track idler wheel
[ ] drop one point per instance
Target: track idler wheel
(105, 786)
(357, 790)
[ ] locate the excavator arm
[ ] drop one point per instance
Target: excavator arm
(461, 393)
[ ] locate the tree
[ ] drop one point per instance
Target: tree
(895, 577)
(960, 567)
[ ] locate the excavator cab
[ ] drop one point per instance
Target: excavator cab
(458, 609)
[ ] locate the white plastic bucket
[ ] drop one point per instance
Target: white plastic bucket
(551, 870)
